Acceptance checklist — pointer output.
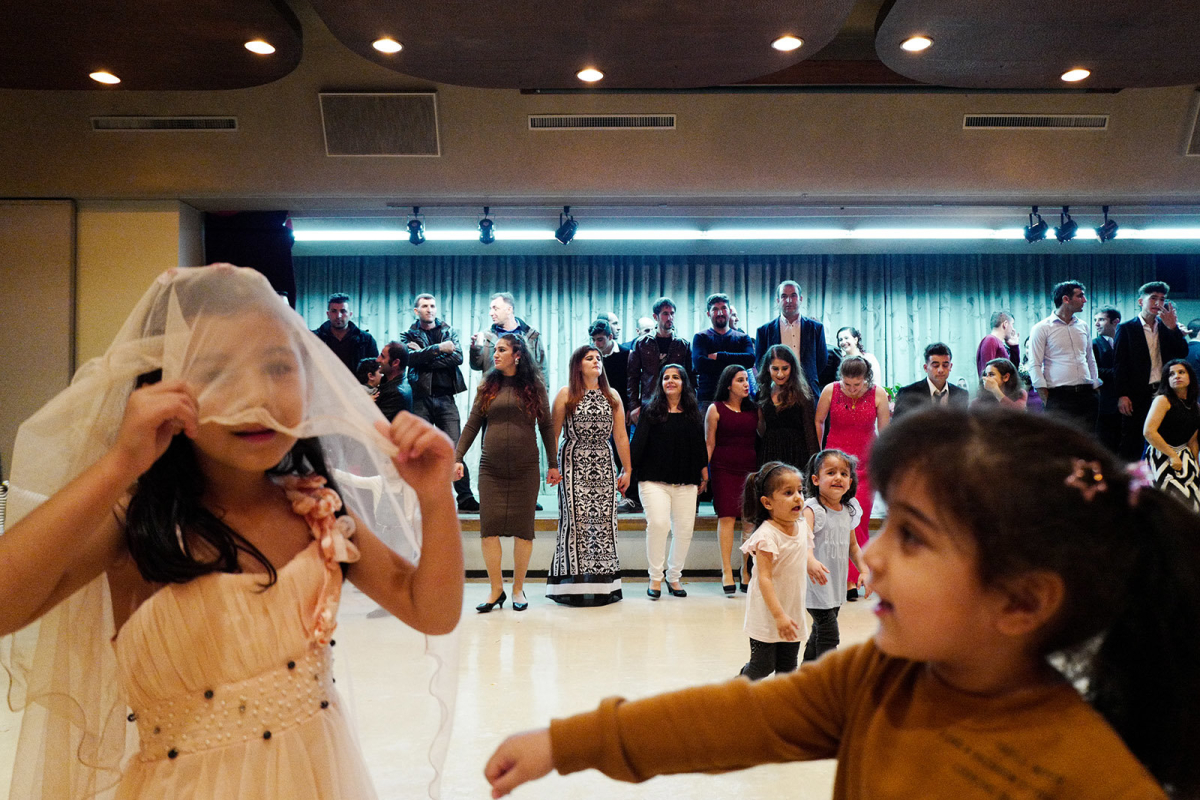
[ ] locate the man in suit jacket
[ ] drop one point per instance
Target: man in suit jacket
(1108, 420)
(935, 388)
(805, 336)
(1143, 345)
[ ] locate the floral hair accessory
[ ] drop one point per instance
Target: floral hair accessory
(1140, 477)
(1087, 478)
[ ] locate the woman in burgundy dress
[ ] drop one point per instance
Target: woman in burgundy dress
(730, 428)
(857, 410)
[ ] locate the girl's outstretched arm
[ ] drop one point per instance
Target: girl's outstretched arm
(520, 758)
(75, 536)
(428, 597)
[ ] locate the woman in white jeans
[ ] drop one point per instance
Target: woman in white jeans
(670, 464)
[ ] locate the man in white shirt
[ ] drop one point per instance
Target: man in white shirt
(1061, 362)
(1142, 346)
(935, 388)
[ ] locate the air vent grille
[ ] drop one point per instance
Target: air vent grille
(1035, 122)
(601, 122)
(164, 123)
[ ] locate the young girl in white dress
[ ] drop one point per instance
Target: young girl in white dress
(184, 545)
(782, 550)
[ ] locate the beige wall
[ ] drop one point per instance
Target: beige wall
(37, 264)
(122, 248)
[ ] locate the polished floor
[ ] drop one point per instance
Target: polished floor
(517, 670)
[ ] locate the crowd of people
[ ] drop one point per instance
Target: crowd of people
(687, 419)
(193, 475)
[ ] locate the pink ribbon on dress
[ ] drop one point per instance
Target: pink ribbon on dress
(318, 505)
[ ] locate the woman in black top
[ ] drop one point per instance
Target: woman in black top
(1171, 431)
(670, 464)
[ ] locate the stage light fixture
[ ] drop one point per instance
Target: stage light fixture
(486, 233)
(416, 227)
(566, 226)
(1035, 231)
(1108, 231)
(1067, 227)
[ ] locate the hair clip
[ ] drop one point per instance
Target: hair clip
(1140, 477)
(1087, 478)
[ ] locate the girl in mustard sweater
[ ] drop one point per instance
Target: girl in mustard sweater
(996, 600)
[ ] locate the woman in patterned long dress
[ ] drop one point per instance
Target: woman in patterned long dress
(857, 411)
(1171, 431)
(585, 570)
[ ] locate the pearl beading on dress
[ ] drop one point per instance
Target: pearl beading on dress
(234, 713)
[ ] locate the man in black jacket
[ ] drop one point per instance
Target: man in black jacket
(349, 343)
(394, 395)
(1143, 345)
(1108, 420)
(434, 358)
(935, 388)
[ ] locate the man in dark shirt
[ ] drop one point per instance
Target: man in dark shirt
(1108, 420)
(434, 358)
(394, 395)
(349, 343)
(616, 358)
(716, 348)
(1193, 334)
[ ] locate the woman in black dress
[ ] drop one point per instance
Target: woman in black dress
(786, 411)
(1171, 431)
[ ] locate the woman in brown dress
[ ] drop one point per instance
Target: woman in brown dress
(512, 400)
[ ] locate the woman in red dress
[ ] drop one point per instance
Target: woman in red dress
(857, 410)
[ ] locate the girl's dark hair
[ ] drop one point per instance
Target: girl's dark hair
(814, 468)
(857, 367)
(797, 382)
(1010, 381)
(166, 519)
(763, 484)
(1188, 403)
(657, 409)
(528, 379)
(365, 369)
(1129, 562)
(725, 381)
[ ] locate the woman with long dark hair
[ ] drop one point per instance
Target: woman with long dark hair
(585, 570)
(512, 401)
(670, 464)
(849, 341)
(1171, 433)
(786, 410)
(730, 431)
(1000, 385)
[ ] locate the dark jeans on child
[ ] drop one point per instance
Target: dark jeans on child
(769, 657)
(825, 635)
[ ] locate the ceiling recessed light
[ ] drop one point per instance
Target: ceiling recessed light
(387, 45)
(915, 44)
(104, 77)
(787, 43)
(1075, 75)
(589, 75)
(260, 47)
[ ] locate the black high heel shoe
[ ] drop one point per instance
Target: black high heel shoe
(519, 606)
(729, 589)
(484, 608)
(680, 592)
(653, 594)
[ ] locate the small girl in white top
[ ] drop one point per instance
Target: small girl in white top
(781, 546)
(832, 513)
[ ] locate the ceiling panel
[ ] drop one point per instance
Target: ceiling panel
(1013, 44)
(527, 44)
(166, 45)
